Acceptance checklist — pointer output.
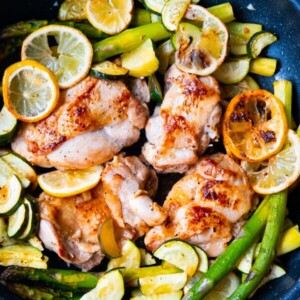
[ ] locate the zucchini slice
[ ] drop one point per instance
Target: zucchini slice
(180, 254)
(240, 35)
(203, 260)
(232, 71)
(108, 70)
(146, 258)
(107, 240)
(136, 273)
(131, 257)
(10, 196)
(8, 126)
(31, 227)
(109, 287)
(155, 6)
(138, 295)
(7, 171)
(17, 222)
(161, 284)
(23, 256)
(245, 263)
(258, 42)
(155, 89)
(21, 168)
(228, 91)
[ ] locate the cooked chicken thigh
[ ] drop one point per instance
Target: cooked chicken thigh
(204, 206)
(93, 121)
(69, 225)
(187, 121)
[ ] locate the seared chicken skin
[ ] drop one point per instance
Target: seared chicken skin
(92, 122)
(187, 121)
(204, 205)
(69, 225)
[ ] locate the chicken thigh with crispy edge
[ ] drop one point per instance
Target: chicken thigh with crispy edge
(69, 226)
(92, 122)
(187, 121)
(205, 206)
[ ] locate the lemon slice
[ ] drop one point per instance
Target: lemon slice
(203, 53)
(71, 10)
(70, 182)
(64, 50)
(279, 172)
(172, 13)
(30, 90)
(111, 16)
(254, 126)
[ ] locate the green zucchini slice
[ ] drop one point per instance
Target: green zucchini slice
(161, 284)
(21, 168)
(232, 71)
(17, 222)
(31, 227)
(109, 287)
(180, 254)
(130, 258)
(258, 42)
(8, 126)
(155, 6)
(155, 89)
(108, 70)
(10, 196)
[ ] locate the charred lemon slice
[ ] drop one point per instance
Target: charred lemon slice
(279, 172)
(254, 126)
(201, 53)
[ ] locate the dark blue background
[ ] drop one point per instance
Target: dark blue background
(281, 17)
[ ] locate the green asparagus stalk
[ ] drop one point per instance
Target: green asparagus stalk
(55, 278)
(140, 17)
(128, 40)
(268, 248)
(223, 11)
(283, 90)
(228, 260)
(24, 28)
(10, 46)
(44, 293)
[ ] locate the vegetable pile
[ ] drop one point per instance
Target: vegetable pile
(114, 40)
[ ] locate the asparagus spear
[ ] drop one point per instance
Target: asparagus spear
(55, 278)
(24, 28)
(227, 261)
(42, 293)
(128, 40)
(10, 46)
(267, 250)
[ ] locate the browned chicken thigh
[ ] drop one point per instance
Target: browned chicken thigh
(187, 121)
(204, 206)
(92, 122)
(69, 225)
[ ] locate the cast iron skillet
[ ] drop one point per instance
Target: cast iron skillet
(281, 17)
